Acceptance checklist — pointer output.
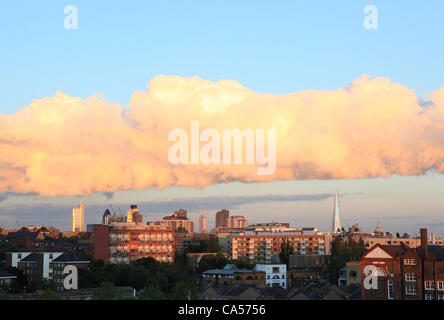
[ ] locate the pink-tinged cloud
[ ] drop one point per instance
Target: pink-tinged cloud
(69, 146)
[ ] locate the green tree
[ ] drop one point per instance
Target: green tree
(343, 251)
(152, 292)
(242, 264)
(212, 261)
(93, 276)
(286, 250)
(107, 291)
(49, 295)
(184, 290)
(204, 246)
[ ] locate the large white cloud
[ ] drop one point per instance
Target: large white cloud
(67, 146)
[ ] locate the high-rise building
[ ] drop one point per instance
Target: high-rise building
(336, 223)
(203, 223)
(178, 220)
(78, 218)
(222, 218)
(134, 215)
(237, 222)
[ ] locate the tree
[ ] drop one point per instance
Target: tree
(212, 261)
(184, 290)
(152, 292)
(49, 295)
(20, 282)
(94, 276)
(242, 264)
(343, 251)
(107, 291)
(286, 250)
(204, 246)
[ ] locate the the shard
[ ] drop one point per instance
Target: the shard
(336, 223)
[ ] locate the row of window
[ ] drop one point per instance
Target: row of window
(430, 285)
(412, 289)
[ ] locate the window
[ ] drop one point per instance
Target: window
(410, 277)
(429, 296)
(429, 285)
(390, 291)
(410, 290)
(275, 269)
(440, 296)
(441, 285)
(410, 262)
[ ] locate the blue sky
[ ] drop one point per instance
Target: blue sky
(269, 47)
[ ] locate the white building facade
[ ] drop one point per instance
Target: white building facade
(275, 274)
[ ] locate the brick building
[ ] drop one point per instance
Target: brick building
(404, 273)
(35, 265)
(127, 242)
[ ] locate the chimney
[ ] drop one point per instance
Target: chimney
(424, 242)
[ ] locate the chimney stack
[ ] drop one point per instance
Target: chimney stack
(424, 241)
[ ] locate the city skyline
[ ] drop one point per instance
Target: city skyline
(369, 225)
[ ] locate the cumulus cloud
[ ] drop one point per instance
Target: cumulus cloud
(68, 146)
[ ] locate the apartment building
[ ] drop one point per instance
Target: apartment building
(259, 247)
(35, 265)
(222, 217)
(237, 222)
(177, 220)
(127, 242)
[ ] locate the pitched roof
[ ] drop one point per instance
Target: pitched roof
(392, 250)
(22, 235)
(30, 258)
(70, 257)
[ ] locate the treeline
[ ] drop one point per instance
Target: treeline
(158, 280)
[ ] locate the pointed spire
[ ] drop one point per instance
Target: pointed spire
(336, 223)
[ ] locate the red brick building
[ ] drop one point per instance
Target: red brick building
(126, 242)
(398, 272)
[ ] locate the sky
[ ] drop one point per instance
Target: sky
(267, 51)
